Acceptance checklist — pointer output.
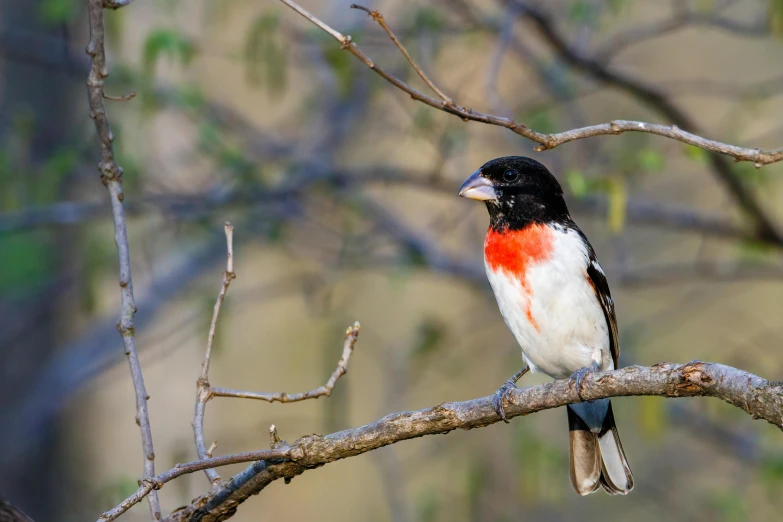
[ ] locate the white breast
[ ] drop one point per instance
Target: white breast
(554, 314)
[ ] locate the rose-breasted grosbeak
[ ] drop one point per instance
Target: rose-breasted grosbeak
(555, 299)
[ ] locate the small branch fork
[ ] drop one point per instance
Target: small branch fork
(207, 392)
(111, 176)
(757, 156)
(760, 398)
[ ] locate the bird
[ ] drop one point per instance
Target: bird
(554, 298)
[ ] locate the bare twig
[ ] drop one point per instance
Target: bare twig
(378, 17)
(151, 485)
(126, 97)
(115, 4)
(202, 384)
(549, 141)
(758, 397)
(351, 335)
(111, 175)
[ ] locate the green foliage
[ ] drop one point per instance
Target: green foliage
(541, 119)
(341, 64)
(265, 53)
(24, 260)
(427, 506)
(429, 337)
(55, 12)
(166, 42)
(730, 505)
(775, 17)
(580, 11)
(695, 153)
(771, 471)
(617, 6)
(114, 491)
(618, 201)
(652, 417)
(540, 465)
(651, 160)
(427, 18)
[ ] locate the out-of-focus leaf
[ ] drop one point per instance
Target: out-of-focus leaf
(729, 505)
(652, 160)
(341, 64)
(166, 42)
(577, 183)
(476, 482)
(653, 418)
(427, 506)
(113, 491)
(265, 54)
(423, 119)
(705, 6)
(24, 260)
(775, 17)
(190, 97)
(696, 154)
(429, 338)
(771, 471)
(580, 11)
(616, 6)
(46, 186)
(750, 250)
(618, 201)
(427, 18)
(540, 119)
(53, 12)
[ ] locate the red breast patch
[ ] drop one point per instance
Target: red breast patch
(514, 251)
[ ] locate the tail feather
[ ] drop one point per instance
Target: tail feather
(597, 457)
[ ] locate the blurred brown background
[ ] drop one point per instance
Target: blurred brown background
(342, 191)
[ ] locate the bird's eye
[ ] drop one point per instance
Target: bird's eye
(510, 176)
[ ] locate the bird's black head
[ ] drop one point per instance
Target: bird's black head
(518, 191)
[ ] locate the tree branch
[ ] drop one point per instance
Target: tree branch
(111, 176)
(202, 384)
(351, 336)
(549, 141)
(758, 397)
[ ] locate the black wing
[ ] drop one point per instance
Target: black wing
(595, 275)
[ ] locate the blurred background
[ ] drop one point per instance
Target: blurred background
(342, 191)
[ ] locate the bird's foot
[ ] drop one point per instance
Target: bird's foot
(579, 375)
(504, 393)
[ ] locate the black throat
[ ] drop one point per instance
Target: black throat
(517, 209)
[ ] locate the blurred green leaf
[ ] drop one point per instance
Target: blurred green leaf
(616, 6)
(166, 42)
(265, 54)
(427, 506)
(618, 201)
(53, 12)
(652, 160)
(775, 17)
(24, 260)
(771, 471)
(341, 64)
(423, 119)
(695, 153)
(730, 505)
(56, 167)
(653, 417)
(114, 491)
(476, 482)
(429, 337)
(750, 250)
(577, 183)
(540, 119)
(580, 11)
(427, 18)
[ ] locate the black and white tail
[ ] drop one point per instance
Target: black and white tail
(597, 456)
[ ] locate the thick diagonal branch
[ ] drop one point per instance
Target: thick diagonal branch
(760, 398)
(111, 175)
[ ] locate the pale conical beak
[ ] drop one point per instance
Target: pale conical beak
(477, 187)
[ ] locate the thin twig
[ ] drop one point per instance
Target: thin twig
(126, 97)
(111, 175)
(204, 391)
(756, 396)
(351, 335)
(150, 485)
(757, 156)
(378, 17)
